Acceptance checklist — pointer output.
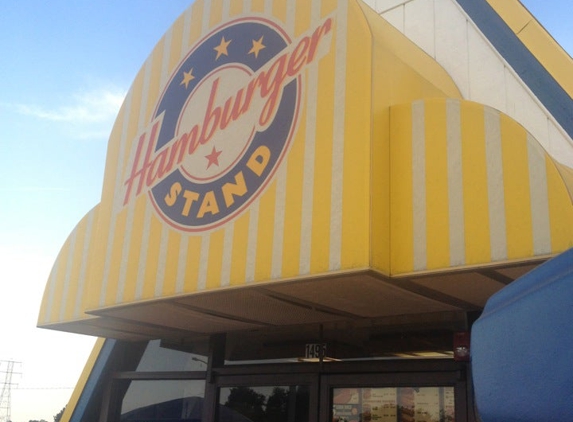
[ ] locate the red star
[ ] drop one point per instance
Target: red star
(213, 157)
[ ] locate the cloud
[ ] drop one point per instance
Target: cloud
(90, 107)
(87, 115)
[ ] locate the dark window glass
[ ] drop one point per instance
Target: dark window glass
(264, 404)
(159, 358)
(163, 400)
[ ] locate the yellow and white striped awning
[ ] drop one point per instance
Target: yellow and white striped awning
(390, 179)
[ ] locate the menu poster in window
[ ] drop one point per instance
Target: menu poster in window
(379, 405)
(449, 406)
(346, 405)
(427, 404)
(406, 404)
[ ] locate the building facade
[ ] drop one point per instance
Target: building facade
(306, 205)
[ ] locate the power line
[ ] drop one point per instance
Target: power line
(7, 368)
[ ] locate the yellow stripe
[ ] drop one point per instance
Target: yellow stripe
(291, 249)
(216, 12)
(236, 7)
(70, 299)
(171, 262)
(56, 296)
(152, 258)
(155, 78)
(401, 192)
(258, 6)
(560, 210)
(133, 259)
(516, 187)
(356, 186)
(476, 216)
(322, 166)
(437, 210)
(215, 261)
(265, 233)
(176, 44)
(119, 220)
(196, 21)
(116, 246)
(81, 384)
(303, 13)
(239, 254)
(280, 10)
(193, 261)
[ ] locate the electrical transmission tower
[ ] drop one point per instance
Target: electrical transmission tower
(6, 369)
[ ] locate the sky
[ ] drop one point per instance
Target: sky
(65, 67)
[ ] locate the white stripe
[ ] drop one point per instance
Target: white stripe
(52, 288)
(336, 190)
(226, 9)
(186, 32)
(279, 228)
(118, 200)
(253, 214)
(141, 123)
(495, 187)
(182, 264)
(162, 262)
(291, 16)
(203, 262)
(84, 264)
(455, 184)
(68, 275)
(252, 241)
(539, 197)
(166, 55)
(419, 185)
(206, 16)
(227, 254)
(162, 259)
(268, 7)
(143, 247)
(309, 158)
(281, 180)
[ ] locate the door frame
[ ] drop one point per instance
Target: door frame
(367, 373)
(262, 380)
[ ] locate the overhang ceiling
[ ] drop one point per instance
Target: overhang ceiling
(349, 298)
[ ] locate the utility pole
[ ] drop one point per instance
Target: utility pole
(6, 369)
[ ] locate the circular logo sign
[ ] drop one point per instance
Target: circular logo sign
(223, 124)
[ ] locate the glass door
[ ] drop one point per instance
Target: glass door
(264, 398)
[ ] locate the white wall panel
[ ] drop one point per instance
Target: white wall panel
(444, 31)
(419, 24)
(523, 108)
(486, 73)
(452, 43)
(371, 3)
(383, 6)
(560, 146)
(395, 17)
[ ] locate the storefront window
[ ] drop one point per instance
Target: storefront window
(394, 404)
(163, 400)
(160, 358)
(264, 404)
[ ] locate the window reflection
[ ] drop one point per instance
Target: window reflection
(159, 358)
(163, 400)
(264, 404)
